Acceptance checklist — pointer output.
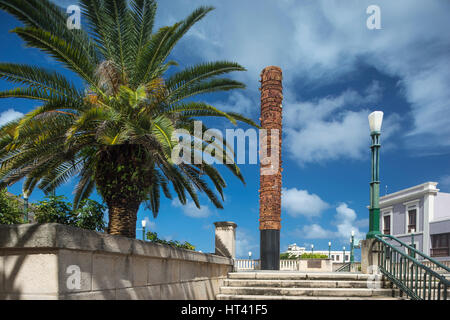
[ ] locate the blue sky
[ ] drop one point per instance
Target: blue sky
(336, 71)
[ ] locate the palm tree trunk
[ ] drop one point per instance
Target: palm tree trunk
(123, 180)
(122, 217)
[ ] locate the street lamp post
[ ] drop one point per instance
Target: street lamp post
(343, 256)
(352, 247)
(144, 223)
(249, 255)
(312, 249)
(329, 250)
(413, 254)
(25, 206)
(375, 121)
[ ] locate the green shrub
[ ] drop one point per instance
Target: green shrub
(153, 237)
(11, 209)
(288, 256)
(313, 256)
(55, 209)
(90, 215)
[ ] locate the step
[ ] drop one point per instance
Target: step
(316, 292)
(267, 297)
(280, 275)
(302, 283)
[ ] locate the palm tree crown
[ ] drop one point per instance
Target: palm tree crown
(115, 133)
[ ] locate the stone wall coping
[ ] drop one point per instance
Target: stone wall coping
(57, 236)
(219, 224)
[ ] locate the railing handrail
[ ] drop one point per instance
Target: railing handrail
(344, 266)
(408, 257)
(440, 265)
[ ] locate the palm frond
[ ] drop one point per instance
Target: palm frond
(27, 93)
(182, 28)
(73, 57)
(143, 20)
(41, 78)
(145, 70)
(214, 85)
(46, 15)
(86, 183)
(120, 28)
(183, 80)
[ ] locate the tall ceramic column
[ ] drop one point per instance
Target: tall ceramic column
(270, 171)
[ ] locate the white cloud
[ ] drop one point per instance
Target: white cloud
(191, 210)
(244, 244)
(345, 221)
(238, 102)
(300, 114)
(301, 202)
(319, 42)
(150, 225)
(329, 140)
(325, 129)
(9, 115)
(315, 231)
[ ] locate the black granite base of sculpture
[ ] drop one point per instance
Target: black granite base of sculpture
(270, 249)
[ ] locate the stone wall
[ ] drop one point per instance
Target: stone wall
(315, 265)
(53, 261)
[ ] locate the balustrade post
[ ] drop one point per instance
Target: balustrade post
(225, 239)
(370, 255)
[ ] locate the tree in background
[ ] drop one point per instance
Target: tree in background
(115, 133)
(11, 209)
(153, 237)
(288, 256)
(54, 209)
(313, 256)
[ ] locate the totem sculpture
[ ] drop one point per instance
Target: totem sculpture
(270, 171)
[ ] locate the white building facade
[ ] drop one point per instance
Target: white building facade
(421, 211)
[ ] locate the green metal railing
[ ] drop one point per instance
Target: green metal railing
(344, 268)
(398, 262)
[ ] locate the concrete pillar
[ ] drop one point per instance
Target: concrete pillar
(370, 249)
(226, 239)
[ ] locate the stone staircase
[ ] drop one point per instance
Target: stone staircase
(279, 285)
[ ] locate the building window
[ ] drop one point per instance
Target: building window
(412, 215)
(346, 258)
(332, 257)
(387, 224)
(440, 244)
(337, 258)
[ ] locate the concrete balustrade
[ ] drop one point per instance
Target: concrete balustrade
(303, 265)
(53, 261)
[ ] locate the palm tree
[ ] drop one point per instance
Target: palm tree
(115, 133)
